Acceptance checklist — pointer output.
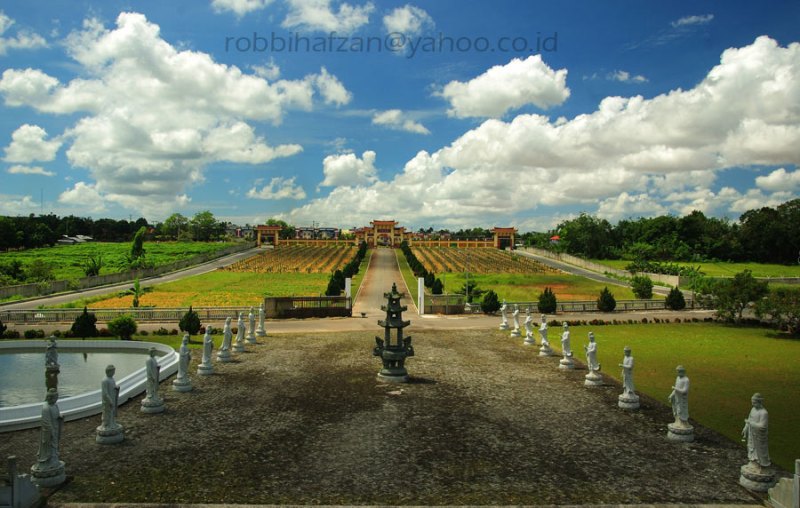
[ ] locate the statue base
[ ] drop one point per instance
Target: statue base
(515, 333)
(109, 435)
(152, 406)
(566, 364)
(251, 339)
(224, 357)
(545, 351)
(630, 401)
(205, 370)
(593, 379)
(504, 326)
(529, 341)
(49, 476)
(393, 376)
(680, 434)
(238, 348)
(260, 332)
(757, 478)
(182, 385)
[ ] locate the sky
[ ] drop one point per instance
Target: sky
(441, 113)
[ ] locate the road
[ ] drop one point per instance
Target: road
(383, 271)
(116, 288)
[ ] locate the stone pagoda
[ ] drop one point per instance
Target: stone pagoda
(393, 355)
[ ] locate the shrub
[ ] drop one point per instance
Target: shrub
(30, 334)
(490, 303)
(642, 287)
(143, 333)
(84, 325)
(161, 331)
(2, 328)
(675, 299)
(173, 332)
(57, 334)
(190, 322)
(11, 334)
(547, 301)
(606, 302)
(123, 326)
(438, 287)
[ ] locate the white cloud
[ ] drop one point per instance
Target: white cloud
(331, 89)
(506, 87)
(661, 153)
(349, 170)
(29, 170)
(626, 77)
(85, 196)
(28, 144)
(396, 119)
(278, 188)
(269, 71)
(703, 19)
(239, 7)
(318, 15)
(630, 206)
(24, 39)
(15, 205)
(780, 180)
(153, 116)
(408, 20)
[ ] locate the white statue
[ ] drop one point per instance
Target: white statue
(757, 475)
(49, 470)
(503, 310)
(566, 350)
(251, 330)
(261, 331)
(593, 378)
(182, 383)
(544, 349)
(240, 331)
(205, 368)
(152, 402)
(681, 429)
(515, 332)
(224, 353)
(109, 431)
(628, 398)
(530, 340)
(51, 355)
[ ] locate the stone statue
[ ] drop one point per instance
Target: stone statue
(205, 368)
(49, 470)
(544, 349)
(628, 399)
(51, 355)
(152, 402)
(224, 353)
(515, 332)
(109, 431)
(503, 310)
(251, 330)
(530, 340)
(240, 331)
(182, 383)
(757, 475)
(261, 331)
(681, 429)
(566, 350)
(593, 378)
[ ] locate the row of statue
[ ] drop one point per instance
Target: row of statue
(756, 475)
(49, 469)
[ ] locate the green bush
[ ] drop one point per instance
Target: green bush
(30, 334)
(190, 322)
(84, 325)
(675, 299)
(2, 328)
(11, 334)
(490, 303)
(437, 288)
(642, 287)
(606, 302)
(547, 302)
(123, 327)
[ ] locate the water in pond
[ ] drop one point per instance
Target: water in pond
(22, 374)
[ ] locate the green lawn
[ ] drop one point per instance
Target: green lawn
(67, 261)
(520, 288)
(725, 364)
(408, 275)
(722, 269)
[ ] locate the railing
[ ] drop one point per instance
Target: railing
(566, 306)
(141, 314)
(308, 306)
(444, 304)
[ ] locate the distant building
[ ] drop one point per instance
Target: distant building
(72, 240)
(316, 233)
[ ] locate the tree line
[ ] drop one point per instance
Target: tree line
(764, 235)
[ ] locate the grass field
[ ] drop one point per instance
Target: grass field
(225, 288)
(722, 269)
(725, 365)
(67, 261)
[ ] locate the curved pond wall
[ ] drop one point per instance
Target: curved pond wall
(87, 404)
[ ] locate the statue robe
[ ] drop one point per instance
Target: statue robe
(757, 434)
(109, 394)
(49, 437)
(680, 399)
(627, 375)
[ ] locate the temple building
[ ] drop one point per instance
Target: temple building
(382, 232)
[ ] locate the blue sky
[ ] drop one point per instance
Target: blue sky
(442, 113)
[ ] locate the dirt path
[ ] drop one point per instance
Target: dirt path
(382, 273)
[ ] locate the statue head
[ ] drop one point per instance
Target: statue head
(627, 350)
(110, 370)
(208, 331)
(757, 400)
(680, 370)
(228, 320)
(566, 325)
(152, 352)
(591, 336)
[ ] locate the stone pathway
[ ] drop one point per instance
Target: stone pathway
(382, 272)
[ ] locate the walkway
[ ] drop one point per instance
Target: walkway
(381, 274)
